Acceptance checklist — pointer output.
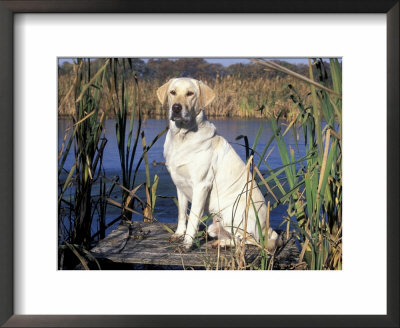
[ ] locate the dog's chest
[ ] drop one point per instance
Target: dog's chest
(179, 167)
(186, 160)
(183, 163)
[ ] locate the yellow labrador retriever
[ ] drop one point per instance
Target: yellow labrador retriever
(206, 170)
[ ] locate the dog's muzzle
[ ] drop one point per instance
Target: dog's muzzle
(176, 114)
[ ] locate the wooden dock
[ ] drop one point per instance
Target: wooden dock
(142, 243)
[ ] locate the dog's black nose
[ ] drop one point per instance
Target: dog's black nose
(176, 108)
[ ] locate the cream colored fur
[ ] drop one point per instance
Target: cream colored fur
(206, 170)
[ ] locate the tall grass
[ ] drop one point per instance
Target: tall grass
(236, 97)
(119, 103)
(78, 205)
(311, 185)
(88, 150)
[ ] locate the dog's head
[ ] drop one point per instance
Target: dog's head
(185, 97)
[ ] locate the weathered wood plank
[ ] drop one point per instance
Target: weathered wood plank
(148, 243)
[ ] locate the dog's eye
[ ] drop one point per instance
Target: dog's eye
(173, 92)
(190, 93)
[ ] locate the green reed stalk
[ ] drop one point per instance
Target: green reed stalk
(125, 99)
(88, 151)
(313, 195)
(120, 98)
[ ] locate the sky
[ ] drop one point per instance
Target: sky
(228, 61)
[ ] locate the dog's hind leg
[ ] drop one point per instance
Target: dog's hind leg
(217, 230)
(214, 228)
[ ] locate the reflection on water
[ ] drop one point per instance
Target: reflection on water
(166, 210)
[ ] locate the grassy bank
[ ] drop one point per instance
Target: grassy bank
(236, 96)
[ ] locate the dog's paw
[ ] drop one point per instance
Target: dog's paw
(223, 243)
(187, 242)
(214, 243)
(176, 237)
(274, 244)
(274, 240)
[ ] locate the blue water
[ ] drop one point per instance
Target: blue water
(166, 210)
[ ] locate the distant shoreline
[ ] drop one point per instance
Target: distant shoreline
(164, 117)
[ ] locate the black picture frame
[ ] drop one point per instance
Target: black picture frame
(7, 11)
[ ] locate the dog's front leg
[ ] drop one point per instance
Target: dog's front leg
(200, 193)
(182, 209)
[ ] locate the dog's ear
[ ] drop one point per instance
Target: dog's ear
(162, 92)
(206, 96)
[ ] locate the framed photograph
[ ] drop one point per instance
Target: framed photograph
(208, 165)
